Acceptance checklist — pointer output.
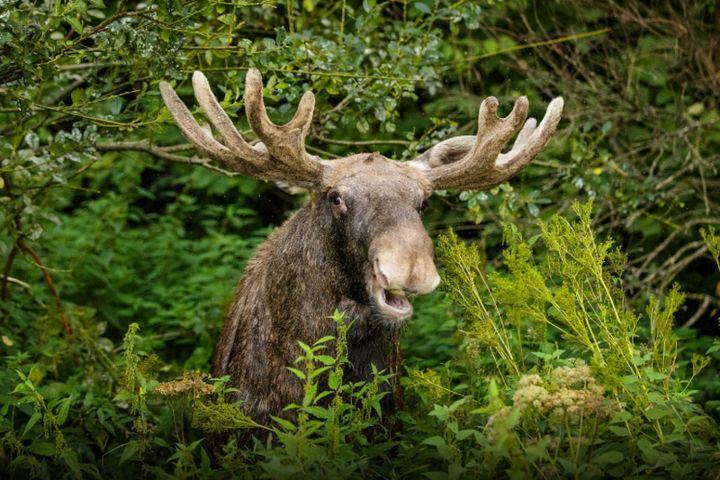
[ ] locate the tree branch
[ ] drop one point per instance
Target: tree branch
(22, 245)
(706, 301)
(164, 153)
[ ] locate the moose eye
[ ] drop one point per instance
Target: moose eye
(337, 203)
(335, 198)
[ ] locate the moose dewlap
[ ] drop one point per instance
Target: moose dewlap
(358, 245)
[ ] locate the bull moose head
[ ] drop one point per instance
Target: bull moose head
(373, 204)
(358, 246)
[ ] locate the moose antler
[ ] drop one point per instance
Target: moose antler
(280, 157)
(476, 162)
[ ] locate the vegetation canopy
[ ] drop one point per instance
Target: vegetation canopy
(573, 334)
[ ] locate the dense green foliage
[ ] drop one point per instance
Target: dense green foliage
(551, 350)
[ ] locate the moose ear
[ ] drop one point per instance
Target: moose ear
(447, 151)
(291, 188)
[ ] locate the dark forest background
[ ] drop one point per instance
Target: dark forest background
(102, 228)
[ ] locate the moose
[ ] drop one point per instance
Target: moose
(358, 245)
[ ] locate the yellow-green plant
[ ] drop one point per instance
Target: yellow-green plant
(625, 409)
(712, 242)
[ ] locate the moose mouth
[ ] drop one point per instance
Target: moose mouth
(393, 303)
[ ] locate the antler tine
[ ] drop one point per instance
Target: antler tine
(286, 143)
(220, 120)
(483, 165)
(494, 131)
(281, 156)
(195, 134)
(531, 140)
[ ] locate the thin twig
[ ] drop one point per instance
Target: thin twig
(6, 271)
(543, 43)
(22, 245)
(319, 73)
(707, 300)
(89, 66)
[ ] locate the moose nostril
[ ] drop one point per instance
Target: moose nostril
(381, 278)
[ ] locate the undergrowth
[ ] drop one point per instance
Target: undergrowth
(557, 376)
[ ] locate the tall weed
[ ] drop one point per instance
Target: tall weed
(579, 383)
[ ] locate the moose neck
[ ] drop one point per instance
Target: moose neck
(310, 275)
(305, 275)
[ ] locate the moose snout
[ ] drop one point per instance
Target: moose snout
(403, 261)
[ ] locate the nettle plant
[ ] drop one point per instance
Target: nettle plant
(614, 401)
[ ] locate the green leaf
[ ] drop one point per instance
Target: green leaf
(657, 413)
(362, 126)
(298, 373)
(457, 403)
(78, 96)
(309, 396)
(610, 457)
(63, 410)
(75, 23)
(422, 7)
(623, 416)
(619, 431)
(333, 380)
(368, 5)
(319, 371)
(649, 453)
(286, 424)
(443, 448)
(442, 412)
(435, 441)
(131, 449)
(629, 380)
(318, 412)
(31, 423)
(41, 447)
(71, 460)
(325, 359)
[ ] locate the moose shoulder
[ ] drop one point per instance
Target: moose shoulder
(358, 245)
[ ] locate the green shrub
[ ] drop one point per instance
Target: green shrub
(578, 382)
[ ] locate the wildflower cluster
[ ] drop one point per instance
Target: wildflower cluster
(569, 395)
(577, 394)
(192, 383)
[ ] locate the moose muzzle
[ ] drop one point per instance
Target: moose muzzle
(402, 260)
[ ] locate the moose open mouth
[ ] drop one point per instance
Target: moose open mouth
(393, 303)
